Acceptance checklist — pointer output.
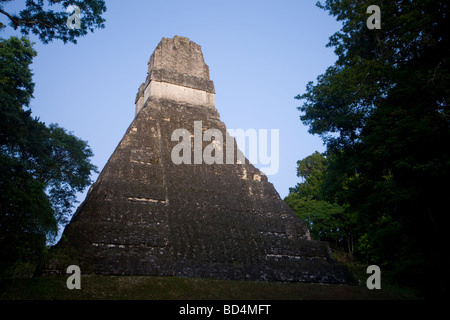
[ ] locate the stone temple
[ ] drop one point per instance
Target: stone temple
(146, 215)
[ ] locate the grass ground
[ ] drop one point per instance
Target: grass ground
(171, 288)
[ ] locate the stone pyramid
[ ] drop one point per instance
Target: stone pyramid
(146, 215)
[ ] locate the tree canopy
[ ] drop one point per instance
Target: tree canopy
(382, 110)
(40, 19)
(327, 220)
(41, 167)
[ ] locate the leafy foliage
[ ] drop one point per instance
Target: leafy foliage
(41, 168)
(49, 24)
(311, 170)
(322, 217)
(327, 221)
(383, 111)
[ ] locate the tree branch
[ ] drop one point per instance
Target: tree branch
(10, 18)
(16, 22)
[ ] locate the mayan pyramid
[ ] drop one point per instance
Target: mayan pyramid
(146, 215)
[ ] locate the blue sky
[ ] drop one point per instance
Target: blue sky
(261, 54)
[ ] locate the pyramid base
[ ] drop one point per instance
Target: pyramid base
(144, 261)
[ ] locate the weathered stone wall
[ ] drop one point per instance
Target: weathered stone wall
(165, 90)
(177, 70)
(146, 215)
(179, 55)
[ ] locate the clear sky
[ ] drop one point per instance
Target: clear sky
(261, 54)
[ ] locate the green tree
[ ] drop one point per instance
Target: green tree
(41, 168)
(311, 170)
(327, 220)
(382, 110)
(323, 218)
(37, 18)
